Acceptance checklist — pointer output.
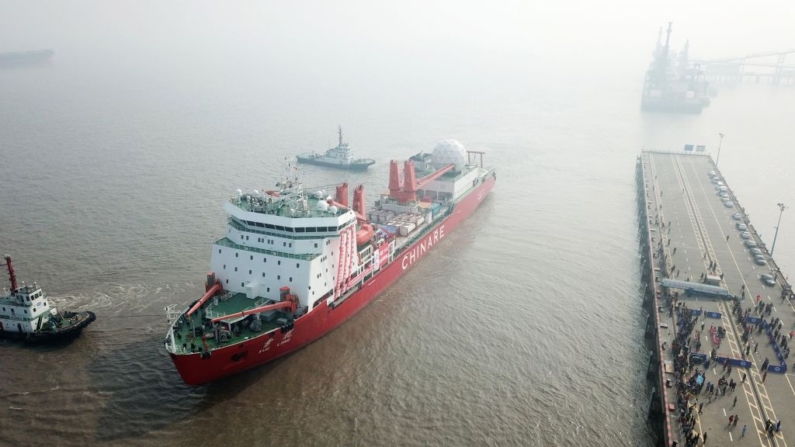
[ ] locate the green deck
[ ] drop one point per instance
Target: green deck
(188, 330)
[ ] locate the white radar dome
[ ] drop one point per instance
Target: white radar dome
(449, 152)
(239, 192)
(332, 209)
(322, 206)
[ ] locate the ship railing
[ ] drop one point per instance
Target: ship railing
(15, 318)
(318, 236)
(304, 256)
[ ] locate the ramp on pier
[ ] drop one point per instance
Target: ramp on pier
(691, 288)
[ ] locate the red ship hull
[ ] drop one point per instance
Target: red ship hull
(238, 357)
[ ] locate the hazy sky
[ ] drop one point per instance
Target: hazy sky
(569, 32)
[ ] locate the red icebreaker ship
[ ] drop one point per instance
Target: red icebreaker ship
(295, 264)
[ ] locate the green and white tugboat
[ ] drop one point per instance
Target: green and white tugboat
(26, 314)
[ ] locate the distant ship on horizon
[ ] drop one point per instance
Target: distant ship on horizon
(36, 57)
(672, 83)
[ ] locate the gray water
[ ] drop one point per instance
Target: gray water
(523, 328)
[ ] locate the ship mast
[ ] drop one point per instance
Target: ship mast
(11, 273)
(340, 132)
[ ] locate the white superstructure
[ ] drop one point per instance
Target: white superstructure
(25, 309)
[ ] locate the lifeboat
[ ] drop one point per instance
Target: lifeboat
(364, 233)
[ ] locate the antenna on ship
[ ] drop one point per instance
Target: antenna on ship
(340, 132)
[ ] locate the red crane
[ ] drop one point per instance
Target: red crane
(408, 192)
(291, 305)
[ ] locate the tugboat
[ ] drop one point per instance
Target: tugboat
(337, 157)
(25, 314)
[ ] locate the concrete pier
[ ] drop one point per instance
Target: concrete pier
(698, 268)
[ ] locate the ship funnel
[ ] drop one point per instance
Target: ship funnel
(358, 201)
(394, 178)
(409, 177)
(342, 194)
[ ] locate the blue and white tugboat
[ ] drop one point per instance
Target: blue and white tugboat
(337, 157)
(25, 313)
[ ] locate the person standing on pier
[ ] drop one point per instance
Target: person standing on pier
(744, 427)
(727, 238)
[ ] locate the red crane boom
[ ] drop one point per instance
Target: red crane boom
(410, 186)
(213, 290)
(281, 305)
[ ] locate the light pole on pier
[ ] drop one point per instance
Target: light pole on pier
(720, 143)
(782, 208)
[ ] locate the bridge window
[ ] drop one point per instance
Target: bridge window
(264, 259)
(278, 277)
(297, 265)
(249, 272)
(278, 262)
(291, 279)
(224, 266)
(236, 254)
(235, 268)
(242, 284)
(227, 281)
(251, 258)
(263, 274)
(219, 251)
